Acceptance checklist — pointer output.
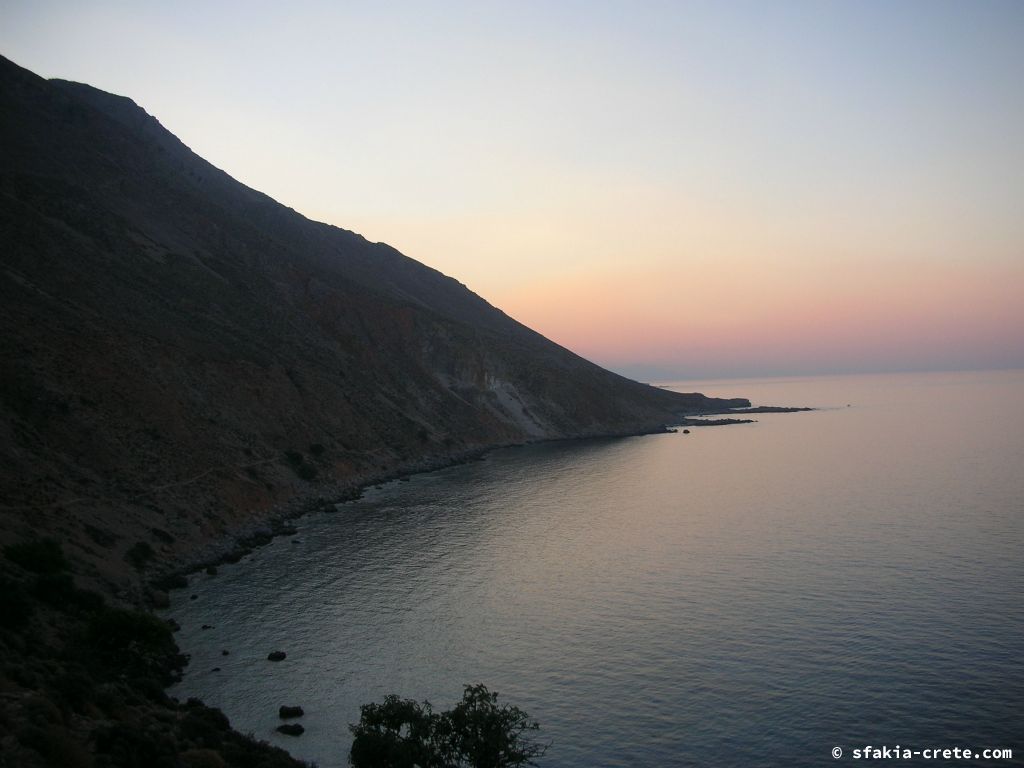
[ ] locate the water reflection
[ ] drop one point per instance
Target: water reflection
(753, 592)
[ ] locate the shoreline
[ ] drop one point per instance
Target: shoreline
(277, 521)
(320, 499)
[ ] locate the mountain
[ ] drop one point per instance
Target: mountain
(186, 363)
(183, 356)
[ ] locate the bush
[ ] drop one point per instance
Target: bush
(125, 745)
(73, 688)
(300, 466)
(38, 556)
(162, 535)
(15, 605)
(139, 554)
(137, 645)
(202, 758)
(481, 733)
(55, 589)
(306, 471)
(171, 581)
(400, 733)
(204, 726)
(63, 749)
(476, 733)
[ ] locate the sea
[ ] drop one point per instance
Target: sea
(781, 593)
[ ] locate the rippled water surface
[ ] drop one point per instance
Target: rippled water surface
(742, 595)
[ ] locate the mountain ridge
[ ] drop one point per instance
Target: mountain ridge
(185, 364)
(185, 357)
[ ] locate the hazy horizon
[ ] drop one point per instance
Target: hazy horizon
(674, 191)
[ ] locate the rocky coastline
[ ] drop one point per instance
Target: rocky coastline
(187, 367)
(279, 520)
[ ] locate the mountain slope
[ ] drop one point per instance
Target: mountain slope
(181, 354)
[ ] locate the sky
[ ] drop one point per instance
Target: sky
(671, 189)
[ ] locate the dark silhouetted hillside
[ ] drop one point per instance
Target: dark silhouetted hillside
(181, 353)
(184, 361)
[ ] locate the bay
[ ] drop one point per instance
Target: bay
(741, 595)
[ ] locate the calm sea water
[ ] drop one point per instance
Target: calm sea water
(742, 595)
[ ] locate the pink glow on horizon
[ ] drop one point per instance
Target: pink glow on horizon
(698, 189)
(897, 318)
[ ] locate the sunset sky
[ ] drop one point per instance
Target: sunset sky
(671, 189)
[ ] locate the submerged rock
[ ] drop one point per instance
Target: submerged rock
(291, 729)
(277, 656)
(286, 712)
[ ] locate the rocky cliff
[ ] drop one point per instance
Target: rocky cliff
(182, 354)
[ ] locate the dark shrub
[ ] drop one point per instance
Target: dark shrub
(204, 726)
(101, 536)
(56, 589)
(73, 688)
(37, 555)
(135, 645)
(202, 758)
(15, 605)
(300, 466)
(400, 732)
(87, 600)
(64, 750)
(173, 581)
(306, 471)
(59, 591)
(476, 733)
(140, 554)
(162, 535)
(126, 746)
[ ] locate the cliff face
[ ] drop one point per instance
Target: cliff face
(181, 353)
